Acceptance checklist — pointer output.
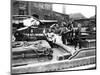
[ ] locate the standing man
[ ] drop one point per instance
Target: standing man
(70, 27)
(77, 39)
(64, 33)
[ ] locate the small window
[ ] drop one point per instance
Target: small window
(21, 12)
(60, 58)
(66, 57)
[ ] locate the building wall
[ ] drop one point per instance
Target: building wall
(44, 10)
(41, 5)
(19, 8)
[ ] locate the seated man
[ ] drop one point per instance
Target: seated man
(31, 21)
(50, 36)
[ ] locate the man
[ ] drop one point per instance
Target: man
(56, 40)
(31, 21)
(49, 34)
(63, 33)
(77, 39)
(70, 27)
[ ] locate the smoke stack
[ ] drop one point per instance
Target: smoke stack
(64, 9)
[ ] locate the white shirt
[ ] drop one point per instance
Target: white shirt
(30, 21)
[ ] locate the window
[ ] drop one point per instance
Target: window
(21, 12)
